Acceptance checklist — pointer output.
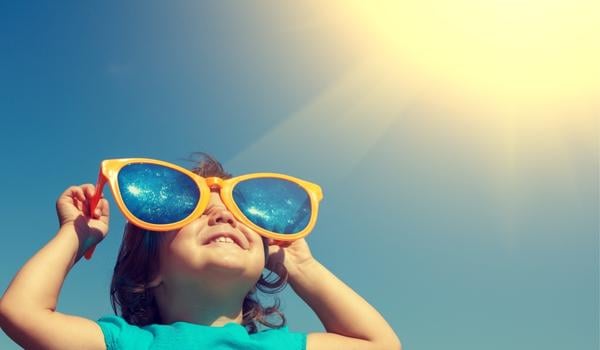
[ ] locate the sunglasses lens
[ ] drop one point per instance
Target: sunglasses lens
(277, 205)
(157, 194)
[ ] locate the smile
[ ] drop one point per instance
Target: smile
(220, 243)
(225, 239)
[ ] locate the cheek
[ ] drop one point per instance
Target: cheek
(176, 254)
(265, 243)
(261, 248)
(256, 267)
(262, 255)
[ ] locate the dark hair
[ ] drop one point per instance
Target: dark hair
(138, 264)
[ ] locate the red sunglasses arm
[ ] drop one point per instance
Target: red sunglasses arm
(93, 203)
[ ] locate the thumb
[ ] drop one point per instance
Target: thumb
(102, 209)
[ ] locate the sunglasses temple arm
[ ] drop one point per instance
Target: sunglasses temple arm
(93, 203)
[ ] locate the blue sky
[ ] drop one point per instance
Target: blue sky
(467, 226)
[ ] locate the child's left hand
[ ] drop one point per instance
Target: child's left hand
(292, 255)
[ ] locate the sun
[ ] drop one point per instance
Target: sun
(506, 52)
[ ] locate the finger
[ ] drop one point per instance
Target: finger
(84, 196)
(72, 196)
(105, 205)
(98, 210)
(102, 208)
(275, 254)
(89, 190)
(75, 193)
(273, 249)
(274, 242)
(283, 244)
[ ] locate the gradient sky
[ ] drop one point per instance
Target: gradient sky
(463, 206)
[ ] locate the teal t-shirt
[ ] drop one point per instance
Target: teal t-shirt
(118, 334)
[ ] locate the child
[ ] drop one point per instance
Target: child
(188, 288)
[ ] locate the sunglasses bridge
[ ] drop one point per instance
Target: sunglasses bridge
(214, 183)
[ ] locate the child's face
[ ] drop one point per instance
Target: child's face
(195, 253)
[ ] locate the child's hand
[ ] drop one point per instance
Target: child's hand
(292, 255)
(72, 207)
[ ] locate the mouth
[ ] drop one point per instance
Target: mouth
(226, 239)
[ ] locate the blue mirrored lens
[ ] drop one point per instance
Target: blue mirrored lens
(277, 205)
(157, 194)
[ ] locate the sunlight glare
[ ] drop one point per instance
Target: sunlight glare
(517, 52)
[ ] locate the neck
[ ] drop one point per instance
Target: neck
(194, 303)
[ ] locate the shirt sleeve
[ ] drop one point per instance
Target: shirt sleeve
(296, 340)
(118, 334)
(282, 338)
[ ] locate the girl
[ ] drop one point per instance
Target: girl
(192, 287)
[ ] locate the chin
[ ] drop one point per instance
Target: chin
(235, 267)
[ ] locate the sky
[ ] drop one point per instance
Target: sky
(456, 144)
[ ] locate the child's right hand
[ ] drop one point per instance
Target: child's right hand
(72, 207)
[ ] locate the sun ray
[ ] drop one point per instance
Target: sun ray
(513, 81)
(340, 125)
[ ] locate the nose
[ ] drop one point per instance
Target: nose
(220, 215)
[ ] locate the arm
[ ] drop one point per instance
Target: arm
(28, 307)
(350, 321)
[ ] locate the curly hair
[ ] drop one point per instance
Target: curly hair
(138, 265)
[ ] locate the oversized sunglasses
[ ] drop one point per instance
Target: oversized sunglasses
(160, 196)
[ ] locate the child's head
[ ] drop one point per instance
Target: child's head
(150, 261)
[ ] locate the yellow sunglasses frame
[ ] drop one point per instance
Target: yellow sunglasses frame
(110, 168)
